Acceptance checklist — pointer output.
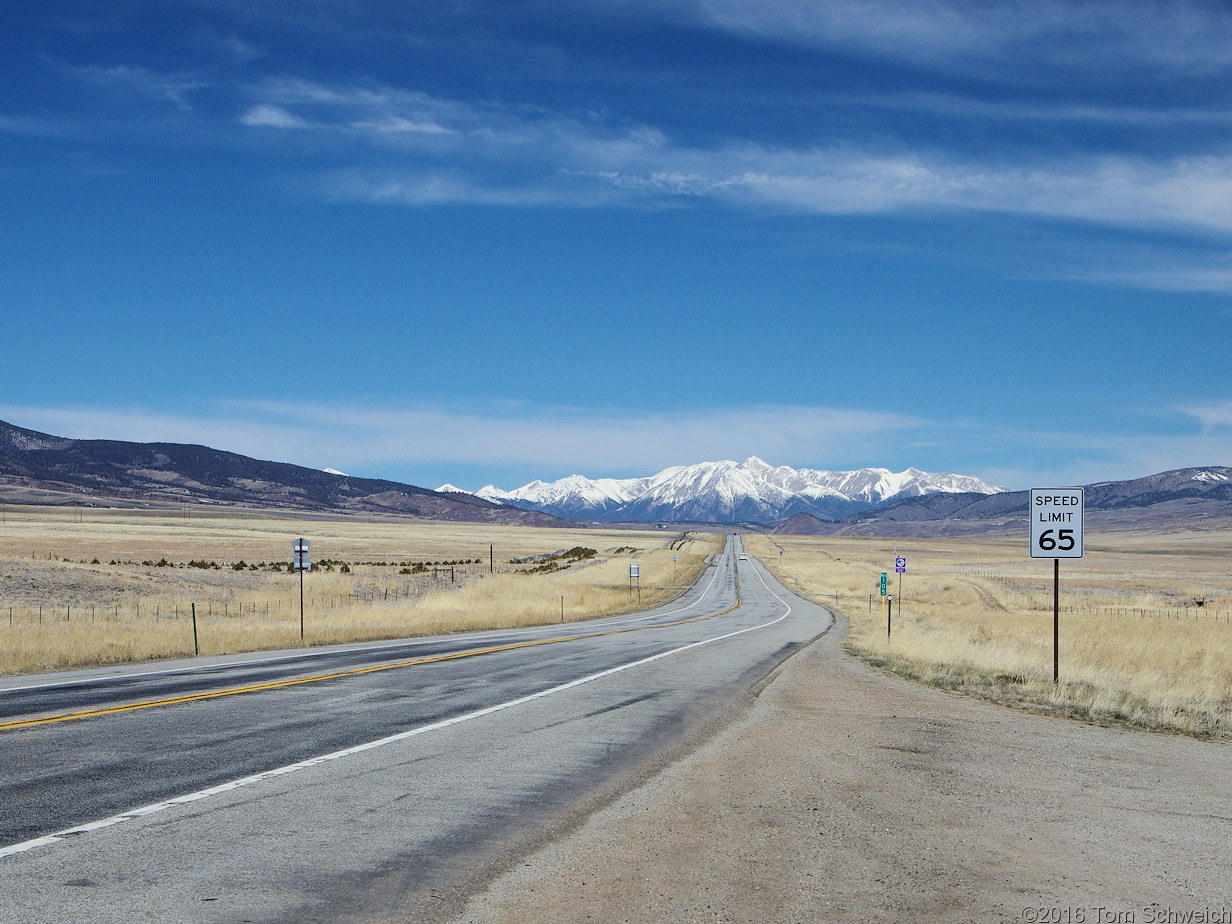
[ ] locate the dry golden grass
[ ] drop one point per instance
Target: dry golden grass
(81, 588)
(976, 616)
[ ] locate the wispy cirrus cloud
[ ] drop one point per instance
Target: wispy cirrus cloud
(1214, 415)
(550, 439)
(425, 151)
(953, 34)
(267, 116)
(159, 86)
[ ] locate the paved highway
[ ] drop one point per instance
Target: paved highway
(362, 781)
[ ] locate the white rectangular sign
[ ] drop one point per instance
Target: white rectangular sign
(635, 570)
(1056, 522)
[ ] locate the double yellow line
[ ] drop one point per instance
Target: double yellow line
(316, 678)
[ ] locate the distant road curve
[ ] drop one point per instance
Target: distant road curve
(326, 784)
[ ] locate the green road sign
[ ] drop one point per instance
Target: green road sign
(883, 583)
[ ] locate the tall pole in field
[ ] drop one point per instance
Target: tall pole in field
(302, 563)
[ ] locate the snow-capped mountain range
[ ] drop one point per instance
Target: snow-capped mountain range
(751, 491)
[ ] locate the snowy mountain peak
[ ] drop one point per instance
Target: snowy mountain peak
(730, 492)
(1215, 477)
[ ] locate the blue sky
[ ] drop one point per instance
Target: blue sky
(488, 242)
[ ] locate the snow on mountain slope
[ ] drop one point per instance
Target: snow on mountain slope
(729, 492)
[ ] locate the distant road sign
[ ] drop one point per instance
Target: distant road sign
(635, 570)
(1056, 522)
(884, 577)
(900, 565)
(300, 548)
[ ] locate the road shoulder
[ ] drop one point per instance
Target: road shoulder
(843, 793)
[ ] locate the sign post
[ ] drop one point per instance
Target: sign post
(884, 578)
(301, 564)
(635, 571)
(900, 566)
(1056, 516)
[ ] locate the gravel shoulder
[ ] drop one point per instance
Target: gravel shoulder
(846, 794)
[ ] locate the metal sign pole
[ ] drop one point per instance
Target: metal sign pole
(301, 564)
(1056, 621)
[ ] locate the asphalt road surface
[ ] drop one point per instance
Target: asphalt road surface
(369, 782)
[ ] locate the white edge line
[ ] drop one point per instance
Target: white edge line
(156, 807)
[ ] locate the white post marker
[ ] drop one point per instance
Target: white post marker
(1056, 533)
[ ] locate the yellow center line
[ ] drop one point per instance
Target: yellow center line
(276, 684)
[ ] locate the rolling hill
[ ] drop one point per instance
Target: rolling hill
(44, 469)
(1188, 497)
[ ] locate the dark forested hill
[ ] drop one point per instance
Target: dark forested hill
(38, 467)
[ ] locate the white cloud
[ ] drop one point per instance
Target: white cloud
(162, 87)
(267, 116)
(1212, 416)
(1175, 275)
(954, 34)
(395, 125)
(419, 150)
(563, 438)
(554, 439)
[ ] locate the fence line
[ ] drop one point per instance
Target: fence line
(1176, 613)
(16, 615)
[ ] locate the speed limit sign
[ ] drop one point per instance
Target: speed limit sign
(1056, 522)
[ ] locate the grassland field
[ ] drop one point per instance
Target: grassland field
(1145, 620)
(82, 587)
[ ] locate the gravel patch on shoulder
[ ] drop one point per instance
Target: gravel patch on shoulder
(847, 794)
